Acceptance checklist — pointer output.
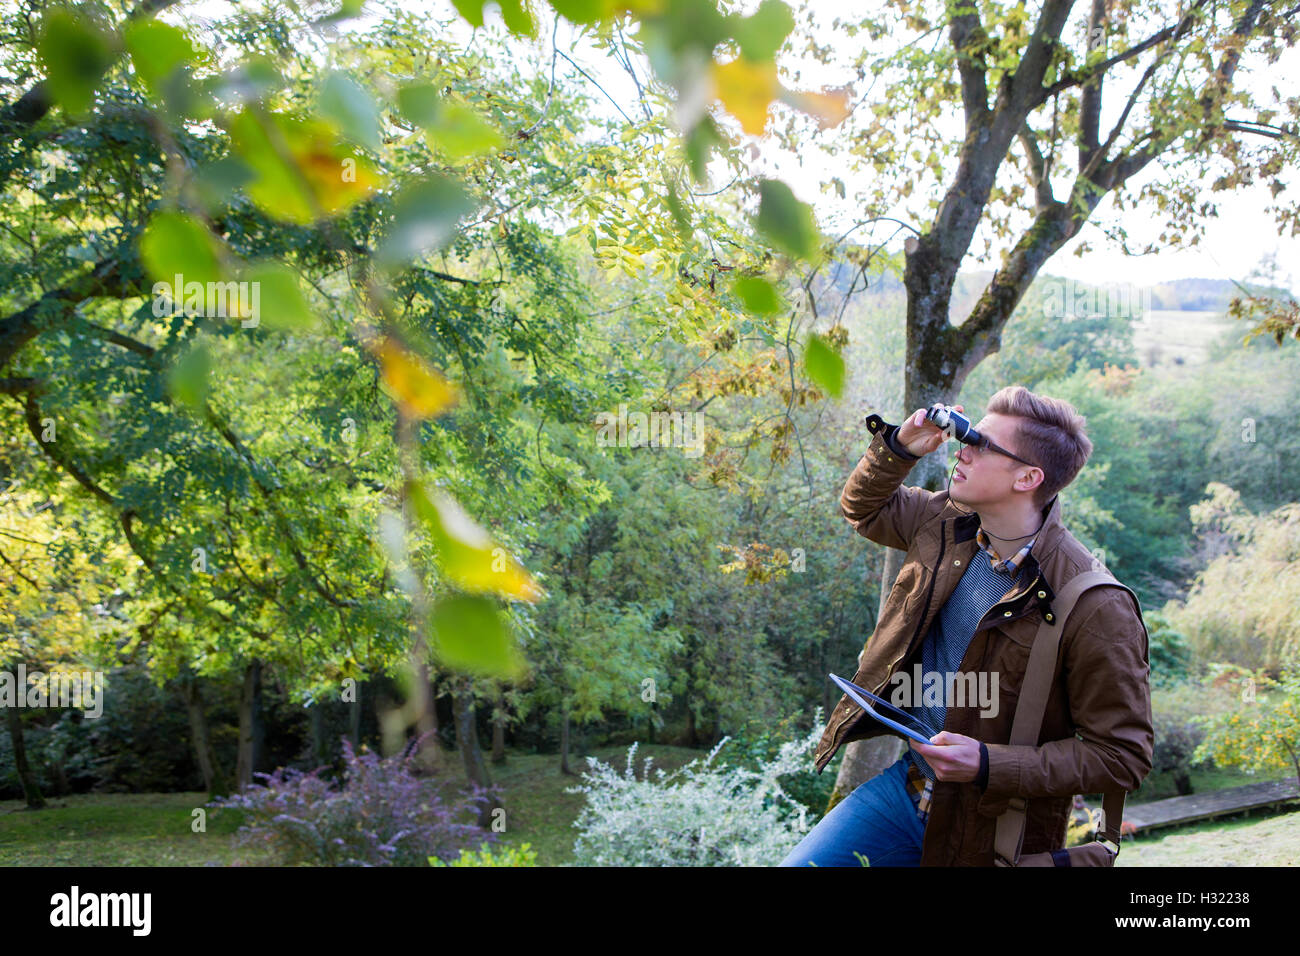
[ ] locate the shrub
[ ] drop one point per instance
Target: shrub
(522, 855)
(1176, 711)
(704, 814)
(1171, 655)
(383, 815)
(758, 744)
(1263, 731)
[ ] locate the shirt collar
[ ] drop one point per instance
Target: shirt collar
(1012, 564)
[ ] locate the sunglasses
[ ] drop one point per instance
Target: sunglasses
(988, 444)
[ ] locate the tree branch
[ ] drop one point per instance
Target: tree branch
(1033, 64)
(1083, 76)
(109, 277)
(1090, 98)
(1260, 129)
(33, 106)
(1117, 171)
(1038, 174)
(968, 36)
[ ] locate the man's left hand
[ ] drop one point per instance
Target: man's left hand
(954, 758)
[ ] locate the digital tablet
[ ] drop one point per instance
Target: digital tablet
(863, 697)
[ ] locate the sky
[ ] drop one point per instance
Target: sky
(1234, 245)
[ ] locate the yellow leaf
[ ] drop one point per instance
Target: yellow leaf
(466, 552)
(831, 107)
(746, 90)
(419, 389)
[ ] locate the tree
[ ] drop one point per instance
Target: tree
(395, 202)
(57, 617)
(1263, 733)
(1032, 147)
(1241, 607)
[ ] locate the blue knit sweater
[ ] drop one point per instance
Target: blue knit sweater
(945, 645)
(981, 587)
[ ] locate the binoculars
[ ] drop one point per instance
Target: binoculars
(958, 426)
(954, 423)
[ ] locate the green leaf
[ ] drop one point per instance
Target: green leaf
(681, 217)
(220, 179)
(156, 50)
(318, 172)
(700, 143)
(466, 553)
(471, 10)
(785, 221)
(253, 80)
(762, 34)
(188, 379)
(75, 55)
(347, 103)
(460, 133)
(584, 11)
(824, 366)
(454, 130)
(758, 296)
(419, 102)
(174, 244)
(346, 11)
(424, 219)
(517, 17)
(469, 634)
(278, 299)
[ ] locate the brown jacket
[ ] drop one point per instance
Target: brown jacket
(1097, 733)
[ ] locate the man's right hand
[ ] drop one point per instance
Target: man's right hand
(919, 436)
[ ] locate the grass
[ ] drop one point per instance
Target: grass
(154, 829)
(1162, 336)
(116, 829)
(1236, 841)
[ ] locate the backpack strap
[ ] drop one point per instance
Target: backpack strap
(1030, 708)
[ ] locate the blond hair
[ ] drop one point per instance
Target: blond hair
(1049, 433)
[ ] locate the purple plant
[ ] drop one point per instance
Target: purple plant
(382, 815)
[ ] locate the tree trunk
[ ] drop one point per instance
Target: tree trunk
(31, 789)
(354, 716)
(429, 755)
(467, 741)
(564, 738)
(320, 750)
(252, 730)
(499, 729)
(863, 759)
(55, 767)
(214, 780)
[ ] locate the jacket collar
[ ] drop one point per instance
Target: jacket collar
(1045, 542)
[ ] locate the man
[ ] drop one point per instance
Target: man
(984, 561)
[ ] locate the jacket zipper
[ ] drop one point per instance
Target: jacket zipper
(943, 541)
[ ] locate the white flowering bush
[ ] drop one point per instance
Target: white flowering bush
(700, 815)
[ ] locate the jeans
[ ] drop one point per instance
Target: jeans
(878, 820)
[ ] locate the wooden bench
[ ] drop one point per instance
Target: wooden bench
(1205, 806)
